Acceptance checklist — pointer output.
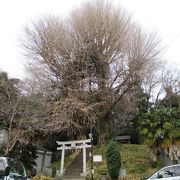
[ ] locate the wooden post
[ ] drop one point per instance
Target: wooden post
(84, 159)
(62, 161)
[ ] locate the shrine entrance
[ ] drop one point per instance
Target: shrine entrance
(79, 144)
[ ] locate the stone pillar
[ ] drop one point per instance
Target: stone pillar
(62, 161)
(84, 159)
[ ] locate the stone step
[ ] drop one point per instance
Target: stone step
(76, 168)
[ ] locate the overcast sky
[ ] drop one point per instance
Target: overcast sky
(159, 15)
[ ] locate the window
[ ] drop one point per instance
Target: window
(167, 172)
(2, 168)
(177, 170)
(164, 173)
(16, 168)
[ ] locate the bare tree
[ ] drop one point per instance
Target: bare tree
(94, 57)
(14, 113)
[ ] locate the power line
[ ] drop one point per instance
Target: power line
(174, 39)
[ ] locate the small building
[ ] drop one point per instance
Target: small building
(44, 159)
(123, 139)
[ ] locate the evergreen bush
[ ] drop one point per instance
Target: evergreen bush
(113, 160)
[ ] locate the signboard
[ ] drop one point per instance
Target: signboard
(73, 145)
(122, 173)
(97, 158)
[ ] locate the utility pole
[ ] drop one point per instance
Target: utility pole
(91, 137)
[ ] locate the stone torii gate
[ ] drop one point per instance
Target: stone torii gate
(79, 144)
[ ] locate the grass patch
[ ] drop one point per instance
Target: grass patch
(135, 159)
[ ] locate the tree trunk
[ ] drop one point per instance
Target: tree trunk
(105, 128)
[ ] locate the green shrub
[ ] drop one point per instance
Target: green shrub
(113, 160)
(26, 153)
